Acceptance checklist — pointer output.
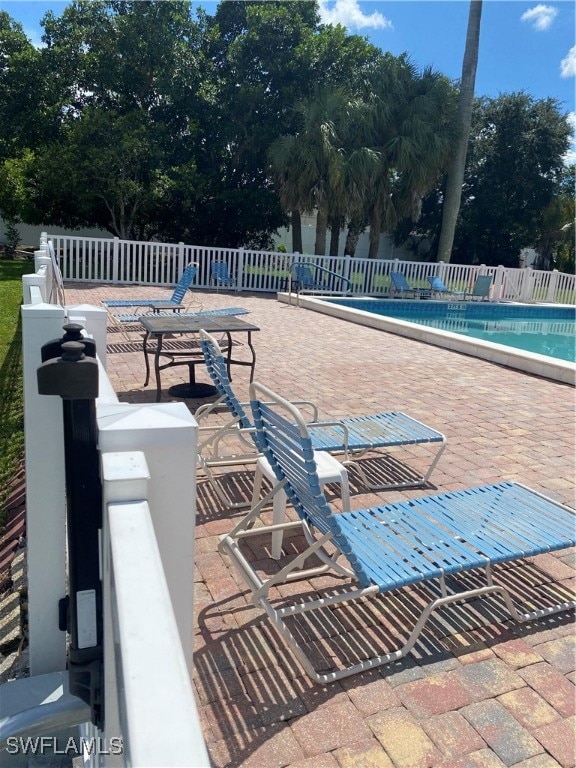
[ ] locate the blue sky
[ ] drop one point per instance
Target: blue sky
(527, 46)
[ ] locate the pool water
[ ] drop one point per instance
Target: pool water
(549, 330)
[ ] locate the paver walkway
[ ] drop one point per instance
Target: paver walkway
(477, 691)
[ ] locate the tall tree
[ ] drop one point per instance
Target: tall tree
(515, 184)
(123, 80)
(412, 132)
(319, 168)
(453, 191)
(514, 171)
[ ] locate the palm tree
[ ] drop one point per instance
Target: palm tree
(310, 166)
(455, 176)
(412, 132)
(282, 156)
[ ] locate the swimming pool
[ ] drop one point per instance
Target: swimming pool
(544, 330)
(542, 320)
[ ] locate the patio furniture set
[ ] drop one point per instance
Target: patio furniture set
(429, 540)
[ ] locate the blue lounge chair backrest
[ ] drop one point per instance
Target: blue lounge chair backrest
(302, 274)
(186, 280)
(437, 285)
(482, 285)
(216, 365)
(399, 281)
(219, 272)
(286, 443)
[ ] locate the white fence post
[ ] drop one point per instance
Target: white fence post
(115, 260)
(552, 285)
(240, 270)
(181, 260)
(45, 495)
(527, 285)
(36, 280)
(167, 435)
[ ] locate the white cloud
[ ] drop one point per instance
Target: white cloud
(568, 63)
(350, 15)
(541, 16)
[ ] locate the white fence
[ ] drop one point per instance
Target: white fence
(148, 455)
(124, 261)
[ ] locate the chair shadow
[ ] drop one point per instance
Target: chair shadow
(250, 683)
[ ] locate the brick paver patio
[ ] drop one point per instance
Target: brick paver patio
(478, 691)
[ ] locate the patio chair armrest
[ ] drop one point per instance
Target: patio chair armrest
(339, 426)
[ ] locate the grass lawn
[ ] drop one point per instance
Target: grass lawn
(11, 397)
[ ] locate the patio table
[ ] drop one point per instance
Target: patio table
(189, 353)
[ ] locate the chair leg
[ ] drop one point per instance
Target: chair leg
(278, 512)
(345, 485)
(258, 477)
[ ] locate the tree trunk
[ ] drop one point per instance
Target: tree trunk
(355, 229)
(296, 232)
(375, 228)
(351, 242)
(455, 177)
(335, 224)
(321, 227)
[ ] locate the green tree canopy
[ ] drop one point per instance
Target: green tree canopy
(515, 165)
(514, 171)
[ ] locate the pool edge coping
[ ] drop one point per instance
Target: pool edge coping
(528, 362)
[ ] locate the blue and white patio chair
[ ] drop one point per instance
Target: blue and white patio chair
(176, 300)
(220, 276)
(437, 287)
(349, 438)
(426, 541)
(175, 303)
(304, 280)
(400, 285)
(481, 288)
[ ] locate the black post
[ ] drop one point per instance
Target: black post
(68, 372)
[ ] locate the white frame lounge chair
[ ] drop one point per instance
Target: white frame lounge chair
(437, 287)
(303, 281)
(175, 303)
(349, 438)
(481, 288)
(221, 277)
(424, 541)
(400, 285)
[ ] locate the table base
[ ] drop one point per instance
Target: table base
(192, 390)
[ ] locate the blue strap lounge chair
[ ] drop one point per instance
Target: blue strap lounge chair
(437, 287)
(481, 288)
(119, 320)
(350, 438)
(176, 300)
(304, 279)
(400, 285)
(132, 318)
(426, 541)
(220, 276)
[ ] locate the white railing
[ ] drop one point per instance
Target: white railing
(125, 261)
(149, 703)
(148, 457)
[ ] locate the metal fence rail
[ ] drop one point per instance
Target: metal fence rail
(111, 260)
